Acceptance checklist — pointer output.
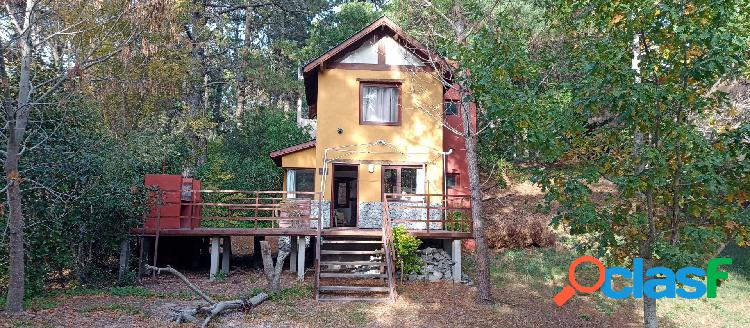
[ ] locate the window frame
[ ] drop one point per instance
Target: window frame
(398, 169)
(297, 169)
(397, 85)
(456, 183)
(458, 107)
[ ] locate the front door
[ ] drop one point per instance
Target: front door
(345, 195)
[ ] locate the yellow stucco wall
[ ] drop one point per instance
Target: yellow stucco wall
(301, 159)
(419, 132)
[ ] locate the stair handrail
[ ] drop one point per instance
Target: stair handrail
(317, 247)
(388, 249)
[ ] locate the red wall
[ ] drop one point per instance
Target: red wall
(176, 197)
(456, 161)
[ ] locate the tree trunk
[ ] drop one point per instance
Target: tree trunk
(649, 304)
(484, 288)
(17, 119)
(273, 273)
(241, 77)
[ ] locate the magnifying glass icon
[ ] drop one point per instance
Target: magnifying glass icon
(570, 290)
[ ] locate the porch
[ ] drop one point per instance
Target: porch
(302, 217)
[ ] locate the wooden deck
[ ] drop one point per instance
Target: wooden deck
(329, 232)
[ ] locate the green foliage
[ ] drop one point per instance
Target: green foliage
(406, 246)
(336, 27)
(239, 160)
(83, 192)
(556, 83)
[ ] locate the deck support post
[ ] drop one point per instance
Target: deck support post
(145, 255)
(301, 257)
(226, 254)
(124, 259)
(214, 269)
(293, 255)
(456, 256)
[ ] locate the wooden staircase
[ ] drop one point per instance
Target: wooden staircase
(354, 269)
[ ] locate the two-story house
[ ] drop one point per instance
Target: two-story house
(384, 126)
(386, 150)
(386, 154)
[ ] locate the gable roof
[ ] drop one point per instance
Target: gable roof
(381, 25)
(278, 154)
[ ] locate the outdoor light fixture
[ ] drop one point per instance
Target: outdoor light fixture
(370, 168)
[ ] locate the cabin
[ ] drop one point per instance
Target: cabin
(385, 154)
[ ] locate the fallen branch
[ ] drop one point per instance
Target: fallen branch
(213, 309)
(184, 280)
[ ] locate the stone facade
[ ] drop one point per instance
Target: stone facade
(326, 219)
(371, 216)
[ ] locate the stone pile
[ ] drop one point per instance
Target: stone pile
(438, 265)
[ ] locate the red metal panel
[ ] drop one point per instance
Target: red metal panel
(167, 222)
(166, 182)
(166, 210)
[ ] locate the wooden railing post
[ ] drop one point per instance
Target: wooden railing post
(428, 212)
(256, 208)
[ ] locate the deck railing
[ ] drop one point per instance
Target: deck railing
(255, 209)
(428, 212)
(191, 209)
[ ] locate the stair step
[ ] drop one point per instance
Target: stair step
(354, 275)
(351, 263)
(339, 241)
(353, 289)
(330, 252)
(352, 299)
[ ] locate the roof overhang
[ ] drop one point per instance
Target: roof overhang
(278, 154)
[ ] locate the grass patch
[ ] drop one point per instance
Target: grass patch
(292, 293)
(545, 270)
(127, 309)
(286, 295)
(357, 317)
(730, 307)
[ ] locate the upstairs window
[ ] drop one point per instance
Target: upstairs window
(451, 108)
(380, 104)
(451, 180)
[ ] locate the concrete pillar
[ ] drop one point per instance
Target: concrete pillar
(214, 258)
(456, 256)
(226, 254)
(145, 255)
(124, 259)
(293, 255)
(301, 258)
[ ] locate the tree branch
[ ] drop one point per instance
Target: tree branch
(184, 279)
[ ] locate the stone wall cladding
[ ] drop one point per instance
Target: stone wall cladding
(326, 219)
(371, 216)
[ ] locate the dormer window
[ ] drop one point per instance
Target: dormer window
(380, 103)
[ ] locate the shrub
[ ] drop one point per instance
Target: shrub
(406, 246)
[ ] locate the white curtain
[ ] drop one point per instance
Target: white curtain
(420, 182)
(380, 104)
(290, 183)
